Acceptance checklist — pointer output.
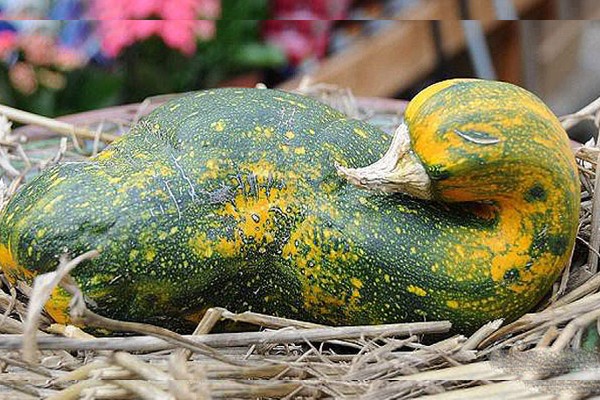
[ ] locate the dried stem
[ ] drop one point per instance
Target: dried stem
(42, 289)
(54, 125)
(146, 343)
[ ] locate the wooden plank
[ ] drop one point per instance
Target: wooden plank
(405, 52)
(508, 62)
(557, 53)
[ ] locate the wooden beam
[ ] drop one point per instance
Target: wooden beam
(405, 52)
(508, 62)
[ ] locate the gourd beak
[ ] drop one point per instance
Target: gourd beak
(398, 171)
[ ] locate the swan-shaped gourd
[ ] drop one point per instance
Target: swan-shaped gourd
(232, 198)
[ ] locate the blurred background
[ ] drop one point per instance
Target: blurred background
(64, 56)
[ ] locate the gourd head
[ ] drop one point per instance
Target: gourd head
(471, 140)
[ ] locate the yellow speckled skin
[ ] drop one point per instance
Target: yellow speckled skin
(230, 198)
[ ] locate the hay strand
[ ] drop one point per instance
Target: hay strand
(62, 128)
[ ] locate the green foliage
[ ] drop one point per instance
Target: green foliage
(92, 88)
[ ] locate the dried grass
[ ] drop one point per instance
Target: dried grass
(530, 358)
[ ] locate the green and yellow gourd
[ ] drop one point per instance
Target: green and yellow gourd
(244, 198)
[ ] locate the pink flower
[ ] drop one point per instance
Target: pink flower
(180, 35)
(115, 36)
(22, 77)
(180, 9)
(205, 29)
(8, 43)
(51, 79)
(68, 59)
(179, 28)
(38, 49)
(296, 46)
(143, 29)
(210, 9)
(143, 8)
(109, 9)
(167, 9)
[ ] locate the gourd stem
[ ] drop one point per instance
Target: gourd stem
(399, 170)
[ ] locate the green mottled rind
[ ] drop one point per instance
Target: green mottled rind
(172, 205)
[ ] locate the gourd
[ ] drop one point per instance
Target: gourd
(256, 199)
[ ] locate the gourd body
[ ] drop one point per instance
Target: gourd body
(231, 198)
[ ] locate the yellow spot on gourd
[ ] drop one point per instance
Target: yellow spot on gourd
(290, 135)
(164, 171)
(289, 101)
(228, 248)
(58, 305)
(452, 303)
(201, 246)
(218, 125)
(386, 277)
(416, 290)
(328, 187)
(361, 133)
(50, 206)
(357, 283)
(150, 255)
(55, 181)
(104, 155)
(406, 210)
(133, 254)
(212, 164)
(300, 150)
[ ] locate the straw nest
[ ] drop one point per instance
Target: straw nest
(550, 353)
